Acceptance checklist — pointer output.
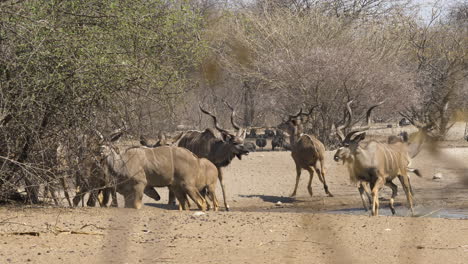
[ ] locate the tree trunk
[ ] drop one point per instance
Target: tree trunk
(32, 189)
(249, 104)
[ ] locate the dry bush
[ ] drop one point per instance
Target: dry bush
(284, 60)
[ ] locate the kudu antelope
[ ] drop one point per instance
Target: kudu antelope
(90, 177)
(374, 163)
(206, 180)
(218, 146)
(139, 169)
(205, 183)
(94, 181)
(306, 150)
(162, 140)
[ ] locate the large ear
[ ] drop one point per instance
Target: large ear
(243, 134)
(405, 136)
(116, 136)
(359, 137)
(143, 141)
(226, 136)
(99, 134)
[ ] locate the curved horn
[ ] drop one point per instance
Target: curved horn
(368, 114)
(214, 119)
(364, 128)
(294, 116)
(347, 123)
(143, 141)
(308, 114)
(350, 134)
(413, 121)
(233, 114)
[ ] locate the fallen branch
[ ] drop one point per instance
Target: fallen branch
(287, 241)
(423, 247)
(98, 227)
(21, 234)
(6, 221)
(430, 213)
(57, 230)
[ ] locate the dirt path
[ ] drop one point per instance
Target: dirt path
(257, 230)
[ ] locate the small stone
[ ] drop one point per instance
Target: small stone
(437, 176)
(279, 203)
(198, 213)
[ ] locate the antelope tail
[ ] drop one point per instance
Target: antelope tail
(415, 171)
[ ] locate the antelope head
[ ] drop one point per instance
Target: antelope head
(162, 140)
(294, 124)
(106, 143)
(235, 141)
(349, 144)
(240, 132)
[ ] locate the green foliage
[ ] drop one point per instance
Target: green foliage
(68, 64)
(75, 56)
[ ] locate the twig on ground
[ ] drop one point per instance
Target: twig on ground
(430, 213)
(296, 240)
(6, 221)
(98, 227)
(423, 247)
(21, 234)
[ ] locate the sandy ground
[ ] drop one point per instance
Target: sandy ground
(257, 230)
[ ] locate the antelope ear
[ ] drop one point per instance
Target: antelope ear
(116, 136)
(359, 137)
(143, 141)
(99, 134)
(243, 134)
(226, 136)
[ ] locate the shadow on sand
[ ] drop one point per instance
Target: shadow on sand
(163, 206)
(271, 198)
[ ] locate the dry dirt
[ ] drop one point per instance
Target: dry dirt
(257, 230)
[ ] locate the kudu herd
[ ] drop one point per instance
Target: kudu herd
(191, 163)
(139, 169)
(218, 146)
